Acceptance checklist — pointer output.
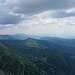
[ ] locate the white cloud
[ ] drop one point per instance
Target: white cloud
(44, 24)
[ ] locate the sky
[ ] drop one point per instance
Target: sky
(37, 17)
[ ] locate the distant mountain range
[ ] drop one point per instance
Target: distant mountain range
(18, 37)
(61, 41)
(7, 37)
(31, 56)
(25, 36)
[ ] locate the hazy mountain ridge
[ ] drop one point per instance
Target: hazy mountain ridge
(6, 37)
(60, 40)
(18, 37)
(25, 36)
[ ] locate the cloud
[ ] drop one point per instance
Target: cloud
(38, 6)
(2, 1)
(5, 26)
(9, 19)
(6, 17)
(32, 7)
(62, 14)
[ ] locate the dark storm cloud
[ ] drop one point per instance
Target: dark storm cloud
(31, 7)
(9, 19)
(38, 6)
(62, 14)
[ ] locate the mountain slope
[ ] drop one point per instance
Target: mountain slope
(12, 64)
(65, 45)
(34, 57)
(35, 61)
